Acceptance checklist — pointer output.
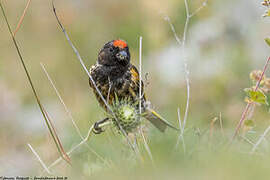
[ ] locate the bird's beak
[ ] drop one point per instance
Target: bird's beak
(122, 55)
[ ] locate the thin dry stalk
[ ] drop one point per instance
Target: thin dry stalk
(221, 125)
(182, 45)
(260, 139)
(180, 137)
(61, 100)
(42, 109)
(247, 140)
(140, 102)
(167, 18)
(199, 8)
(21, 18)
(69, 113)
(140, 75)
(39, 159)
(212, 127)
(90, 132)
(188, 17)
(64, 155)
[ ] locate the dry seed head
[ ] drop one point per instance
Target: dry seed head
(255, 76)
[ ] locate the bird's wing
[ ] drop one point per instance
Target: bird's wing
(158, 121)
(135, 79)
(150, 114)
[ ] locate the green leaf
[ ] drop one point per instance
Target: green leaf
(256, 96)
(249, 123)
(267, 40)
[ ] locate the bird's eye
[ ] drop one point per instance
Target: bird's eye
(111, 49)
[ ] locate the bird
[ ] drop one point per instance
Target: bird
(114, 76)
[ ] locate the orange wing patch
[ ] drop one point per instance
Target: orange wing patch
(119, 43)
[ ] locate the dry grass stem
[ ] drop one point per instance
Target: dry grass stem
(21, 18)
(42, 109)
(221, 125)
(39, 159)
(140, 100)
(260, 139)
(69, 113)
(180, 137)
(61, 100)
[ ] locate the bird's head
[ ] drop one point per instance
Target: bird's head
(114, 53)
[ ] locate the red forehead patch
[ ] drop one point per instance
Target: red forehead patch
(119, 43)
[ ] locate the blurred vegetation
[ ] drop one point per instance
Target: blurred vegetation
(225, 42)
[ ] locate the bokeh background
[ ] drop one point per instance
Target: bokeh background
(225, 41)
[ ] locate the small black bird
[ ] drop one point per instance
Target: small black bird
(114, 75)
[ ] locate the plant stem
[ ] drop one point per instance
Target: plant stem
(244, 114)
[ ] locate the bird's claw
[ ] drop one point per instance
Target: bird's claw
(97, 129)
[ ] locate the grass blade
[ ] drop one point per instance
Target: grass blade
(43, 111)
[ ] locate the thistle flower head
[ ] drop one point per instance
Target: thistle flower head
(126, 115)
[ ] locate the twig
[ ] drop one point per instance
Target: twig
(140, 102)
(244, 114)
(167, 18)
(21, 18)
(39, 159)
(179, 119)
(91, 79)
(188, 17)
(60, 98)
(69, 113)
(78, 145)
(140, 75)
(221, 125)
(212, 127)
(185, 63)
(180, 137)
(147, 147)
(74, 148)
(42, 109)
(64, 155)
(199, 8)
(247, 140)
(260, 139)
(182, 45)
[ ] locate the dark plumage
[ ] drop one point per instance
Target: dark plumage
(115, 75)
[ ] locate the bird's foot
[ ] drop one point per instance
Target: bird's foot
(97, 126)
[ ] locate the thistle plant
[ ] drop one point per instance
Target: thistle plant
(127, 114)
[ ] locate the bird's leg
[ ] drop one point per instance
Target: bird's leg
(97, 129)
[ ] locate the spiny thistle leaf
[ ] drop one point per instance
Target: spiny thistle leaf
(256, 96)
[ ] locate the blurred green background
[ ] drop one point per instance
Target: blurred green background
(225, 41)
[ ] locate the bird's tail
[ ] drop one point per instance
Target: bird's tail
(157, 120)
